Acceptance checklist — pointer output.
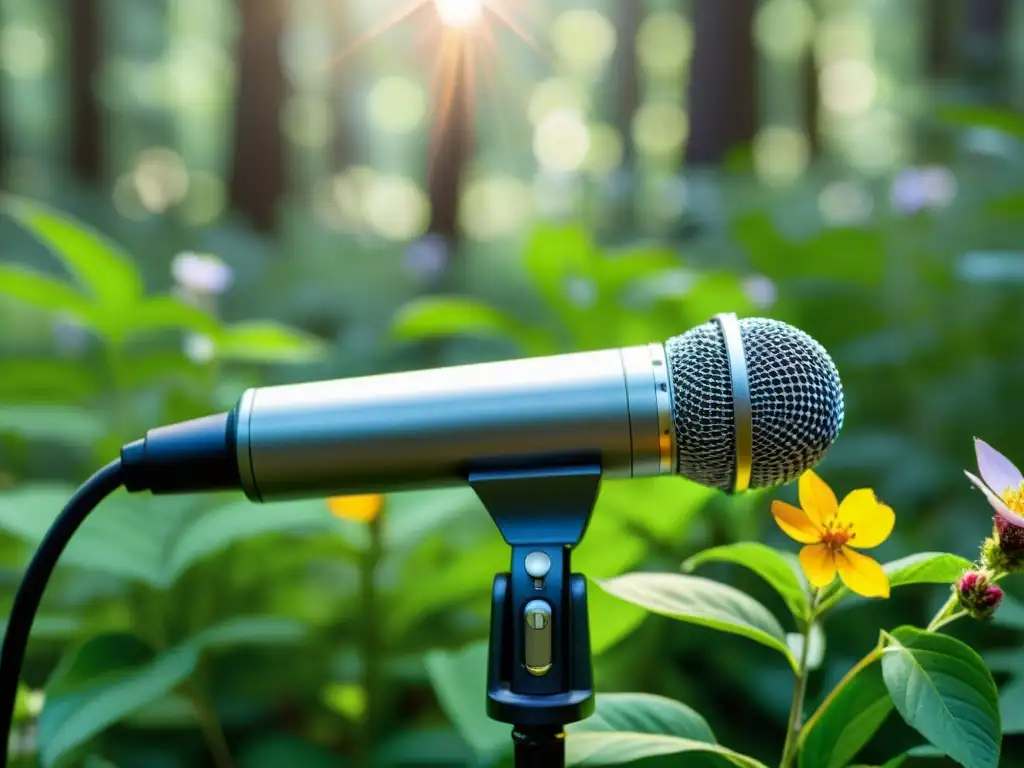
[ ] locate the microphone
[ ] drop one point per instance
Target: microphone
(731, 404)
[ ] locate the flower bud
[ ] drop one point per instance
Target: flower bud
(1003, 552)
(978, 595)
(1011, 540)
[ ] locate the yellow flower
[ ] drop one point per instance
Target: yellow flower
(360, 509)
(832, 533)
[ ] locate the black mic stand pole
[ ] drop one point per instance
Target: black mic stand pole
(539, 671)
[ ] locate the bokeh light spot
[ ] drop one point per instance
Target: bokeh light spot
(561, 142)
(161, 179)
(350, 190)
(126, 198)
(848, 86)
(605, 154)
(783, 28)
(25, 51)
(660, 128)
(205, 202)
(396, 208)
(306, 120)
(664, 43)
(875, 142)
(397, 105)
(845, 203)
(845, 35)
(556, 94)
(495, 206)
(584, 39)
(781, 155)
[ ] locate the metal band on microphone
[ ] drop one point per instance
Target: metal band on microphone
(741, 406)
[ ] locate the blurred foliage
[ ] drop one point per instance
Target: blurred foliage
(178, 630)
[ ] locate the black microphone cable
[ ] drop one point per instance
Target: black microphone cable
(33, 585)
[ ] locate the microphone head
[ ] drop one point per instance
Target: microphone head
(796, 400)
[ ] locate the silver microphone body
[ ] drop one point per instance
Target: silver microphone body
(423, 429)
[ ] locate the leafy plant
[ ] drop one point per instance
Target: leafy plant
(938, 685)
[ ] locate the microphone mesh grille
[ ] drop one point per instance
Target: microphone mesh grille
(795, 393)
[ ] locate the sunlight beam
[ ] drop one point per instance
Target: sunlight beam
(459, 13)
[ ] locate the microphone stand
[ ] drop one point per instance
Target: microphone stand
(539, 671)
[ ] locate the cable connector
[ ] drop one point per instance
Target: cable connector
(189, 457)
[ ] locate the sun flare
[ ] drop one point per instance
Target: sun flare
(459, 13)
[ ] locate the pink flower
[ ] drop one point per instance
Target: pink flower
(977, 595)
(1001, 482)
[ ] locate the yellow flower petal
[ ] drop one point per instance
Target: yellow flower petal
(870, 520)
(816, 498)
(819, 564)
(795, 524)
(360, 509)
(861, 574)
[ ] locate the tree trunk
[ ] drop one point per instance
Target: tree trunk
(451, 149)
(257, 173)
(84, 58)
(723, 83)
(345, 76)
(627, 73)
(984, 53)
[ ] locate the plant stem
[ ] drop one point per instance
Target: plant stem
(796, 709)
(945, 615)
(371, 650)
(867, 661)
(153, 606)
(948, 620)
(209, 724)
(944, 611)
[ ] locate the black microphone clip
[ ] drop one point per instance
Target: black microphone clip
(539, 669)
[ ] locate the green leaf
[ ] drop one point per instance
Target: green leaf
(100, 684)
(623, 749)
(643, 713)
(97, 263)
(236, 521)
(51, 627)
(47, 293)
(770, 564)
(284, 749)
(249, 631)
(267, 342)
(460, 682)
(415, 514)
(849, 723)
(1011, 706)
(704, 602)
(942, 689)
(626, 727)
(921, 568)
(47, 381)
(445, 317)
(27, 704)
(611, 620)
(555, 254)
(64, 424)
(617, 271)
(816, 650)
(162, 313)
(115, 541)
(1008, 122)
(153, 540)
(173, 711)
(428, 747)
(926, 568)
